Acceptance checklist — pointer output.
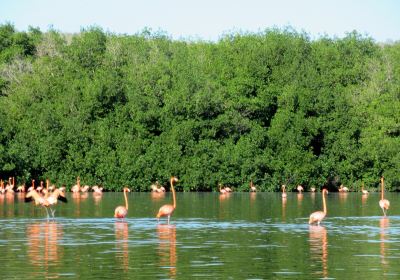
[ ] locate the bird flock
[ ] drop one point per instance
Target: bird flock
(48, 196)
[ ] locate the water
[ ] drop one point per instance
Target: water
(238, 236)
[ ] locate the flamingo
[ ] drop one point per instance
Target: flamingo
(228, 189)
(21, 188)
(252, 187)
(168, 209)
(76, 188)
(318, 216)
(32, 187)
(121, 211)
(362, 189)
(300, 188)
(97, 190)
(85, 188)
(154, 187)
(10, 185)
(222, 190)
(343, 188)
(383, 203)
(2, 190)
(46, 201)
(284, 195)
(41, 187)
(157, 188)
(312, 189)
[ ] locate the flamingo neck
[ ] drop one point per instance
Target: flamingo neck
(382, 188)
(324, 202)
(126, 200)
(173, 192)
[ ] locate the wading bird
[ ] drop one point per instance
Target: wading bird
(343, 188)
(252, 187)
(318, 216)
(228, 189)
(77, 188)
(300, 188)
(383, 203)
(222, 190)
(168, 209)
(46, 201)
(121, 211)
(284, 195)
(362, 189)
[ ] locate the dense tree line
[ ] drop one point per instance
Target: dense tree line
(274, 107)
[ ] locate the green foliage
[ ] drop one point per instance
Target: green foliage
(273, 107)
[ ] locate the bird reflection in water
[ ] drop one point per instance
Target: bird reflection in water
(299, 199)
(319, 248)
(157, 195)
(284, 200)
(122, 243)
(167, 248)
(76, 199)
(384, 226)
(43, 249)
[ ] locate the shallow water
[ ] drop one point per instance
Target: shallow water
(236, 236)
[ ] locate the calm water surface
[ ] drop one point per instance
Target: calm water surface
(236, 236)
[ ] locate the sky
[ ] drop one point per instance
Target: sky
(208, 19)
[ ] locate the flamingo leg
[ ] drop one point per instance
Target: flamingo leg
(47, 211)
(168, 218)
(52, 212)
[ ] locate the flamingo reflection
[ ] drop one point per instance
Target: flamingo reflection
(284, 200)
(157, 195)
(319, 248)
(43, 249)
(122, 245)
(384, 226)
(167, 248)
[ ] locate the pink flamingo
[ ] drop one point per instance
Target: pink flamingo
(300, 188)
(168, 209)
(222, 190)
(362, 189)
(97, 190)
(228, 189)
(85, 188)
(343, 188)
(318, 216)
(154, 187)
(284, 195)
(121, 211)
(77, 188)
(46, 201)
(383, 203)
(40, 188)
(2, 189)
(252, 187)
(21, 188)
(32, 187)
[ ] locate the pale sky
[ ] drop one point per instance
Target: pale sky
(208, 19)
